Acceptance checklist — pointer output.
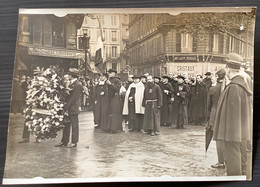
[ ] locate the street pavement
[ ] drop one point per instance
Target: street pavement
(175, 152)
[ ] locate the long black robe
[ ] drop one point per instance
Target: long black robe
(101, 106)
(199, 109)
(166, 109)
(152, 99)
(115, 105)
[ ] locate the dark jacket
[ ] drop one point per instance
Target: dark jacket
(73, 103)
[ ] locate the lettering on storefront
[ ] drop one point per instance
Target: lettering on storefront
(185, 59)
(185, 68)
(55, 53)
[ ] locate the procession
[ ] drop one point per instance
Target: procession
(170, 102)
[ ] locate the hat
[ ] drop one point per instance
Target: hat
(111, 70)
(221, 73)
(74, 71)
(208, 73)
(136, 77)
(166, 77)
(180, 77)
(157, 77)
(234, 60)
(143, 76)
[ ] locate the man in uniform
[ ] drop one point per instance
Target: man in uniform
(152, 102)
(234, 118)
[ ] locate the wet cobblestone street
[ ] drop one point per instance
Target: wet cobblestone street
(175, 152)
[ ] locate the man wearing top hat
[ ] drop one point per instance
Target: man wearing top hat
(168, 98)
(233, 121)
(115, 109)
(207, 80)
(133, 104)
(72, 106)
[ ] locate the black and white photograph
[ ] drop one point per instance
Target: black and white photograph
(132, 94)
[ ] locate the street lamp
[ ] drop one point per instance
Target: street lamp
(85, 45)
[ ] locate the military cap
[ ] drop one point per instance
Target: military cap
(234, 61)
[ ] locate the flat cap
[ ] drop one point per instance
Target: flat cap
(234, 61)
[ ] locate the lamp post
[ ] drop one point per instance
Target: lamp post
(85, 45)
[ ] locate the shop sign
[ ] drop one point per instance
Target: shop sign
(55, 53)
(186, 59)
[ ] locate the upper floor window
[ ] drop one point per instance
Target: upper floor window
(114, 36)
(185, 42)
(113, 20)
(114, 51)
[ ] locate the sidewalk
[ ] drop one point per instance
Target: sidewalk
(175, 152)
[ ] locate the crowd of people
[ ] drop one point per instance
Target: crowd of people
(221, 101)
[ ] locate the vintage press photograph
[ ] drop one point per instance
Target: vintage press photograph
(110, 95)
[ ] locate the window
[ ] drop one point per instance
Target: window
(185, 43)
(113, 20)
(114, 51)
(241, 50)
(114, 38)
(221, 44)
(37, 30)
(114, 65)
(47, 41)
(213, 42)
(58, 35)
(194, 44)
(178, 42)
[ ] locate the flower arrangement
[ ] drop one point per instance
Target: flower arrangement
(46, 98)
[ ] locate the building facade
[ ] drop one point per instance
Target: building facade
(45, 40)
(113, 28)
(157, 47)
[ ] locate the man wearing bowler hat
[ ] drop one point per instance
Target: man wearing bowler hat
(207, 80)
(72, 106)
(234, 118)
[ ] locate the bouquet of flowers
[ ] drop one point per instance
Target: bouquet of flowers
(46, 98)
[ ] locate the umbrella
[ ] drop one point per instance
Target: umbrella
(208, 137)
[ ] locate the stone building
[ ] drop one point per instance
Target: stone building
(45, 40)
(157, 46)
(114, 28)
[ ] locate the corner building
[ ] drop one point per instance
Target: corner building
(157, 47)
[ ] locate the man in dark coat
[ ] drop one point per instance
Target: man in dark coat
(168, 98)
(234, 118)
(101, 103)
(152, 102)
(199, 108)
(207, 80)
(181, 100)
(192, 84)
(213, 96)
(115, 109)
(72, 106)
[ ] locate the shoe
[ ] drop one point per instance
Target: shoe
(24, 141)
(97, 127)
(157, 133)
(218, 165)
(72, 145)
(61, 144)
(152, 134)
